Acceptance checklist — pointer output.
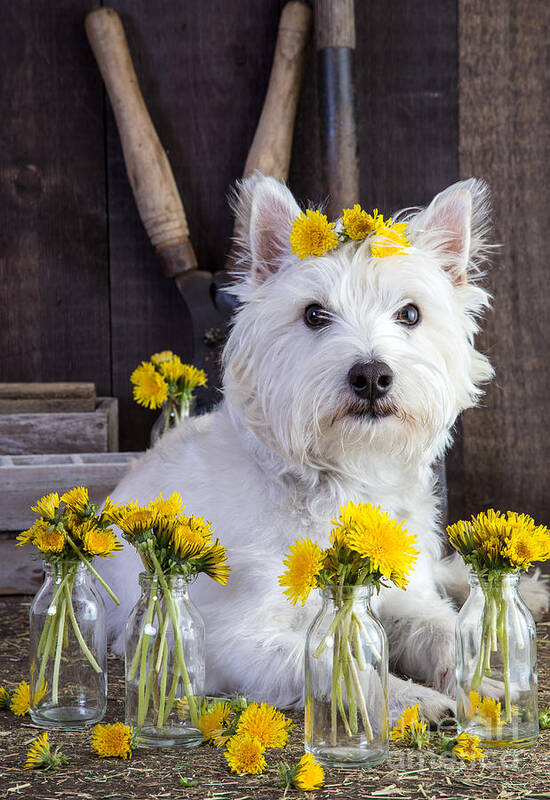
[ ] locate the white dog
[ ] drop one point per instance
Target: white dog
(343, 377)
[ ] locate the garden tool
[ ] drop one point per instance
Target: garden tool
(152, 181)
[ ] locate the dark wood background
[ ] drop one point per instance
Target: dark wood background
(445, 90)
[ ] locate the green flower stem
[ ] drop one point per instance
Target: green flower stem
(93, 570)
(359, 655)
(504, 643)
(172, 694)
(515, 620)
(58, 649)
(360, 696)
(164, 627)
(49, 632)
(50, 617)
(142, 649)
(334, 690)
(178, 645)
(372, 647)
(163, 676)
(352, 705)
(134, 663)
(332, 627)
(84, 647)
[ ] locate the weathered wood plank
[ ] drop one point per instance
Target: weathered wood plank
(64, 432)
(504, 124)
(53, 257)
(24, 398)
(25, 478)
(20, 573)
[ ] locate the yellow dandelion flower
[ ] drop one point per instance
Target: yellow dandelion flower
(264, 722)
(390, 241)
(419, 735)
(136, 522)
(170, 507)
(358, 224)
(5, 698)
(40, 755)
(303, 563)
(28, 536)
(213, 562)
(150, 388)
(77, 500)
(375, 535)
(245, 754)
(401, 729)
(112, 512)
(98, 541)
(113, 741)
(212, 722)
(489, 711)
(312, 235)
(467, 748)
(21, 699)
(193, 377)
(160, 358)
(309, 774)
(50, 540)
(47, 506)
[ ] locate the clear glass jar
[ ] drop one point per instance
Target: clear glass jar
(496, 664)
(164, 652)
(346, 681)
(68, 649)
(172, 413)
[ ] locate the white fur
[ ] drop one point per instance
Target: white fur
(282, 452)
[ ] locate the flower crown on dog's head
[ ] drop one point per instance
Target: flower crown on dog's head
(313, 235)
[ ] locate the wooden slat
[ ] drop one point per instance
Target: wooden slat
(504, 127)
(20, 573)
(24, 398)
(63, 432)
(53, 259)
(25, 478)
(205, 97)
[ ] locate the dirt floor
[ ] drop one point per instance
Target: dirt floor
(407, 774)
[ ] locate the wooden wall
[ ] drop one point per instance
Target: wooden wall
(444, 89)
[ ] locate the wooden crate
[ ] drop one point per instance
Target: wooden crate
(65, 432)
(23, 479)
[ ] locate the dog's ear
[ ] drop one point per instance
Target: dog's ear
(265, 210)
(457, 219)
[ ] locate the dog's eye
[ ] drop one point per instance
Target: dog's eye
(315, 316)
(408, 315)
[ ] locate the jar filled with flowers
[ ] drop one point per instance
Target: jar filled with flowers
(164, 637)
(165, 382)
(346, 652)
(68, 644)
(496, 655)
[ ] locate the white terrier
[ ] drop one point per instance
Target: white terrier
(343, 377)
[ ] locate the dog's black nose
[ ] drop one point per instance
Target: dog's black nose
(370, 381)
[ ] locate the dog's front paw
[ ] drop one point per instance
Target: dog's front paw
(534, 592)
(434, 706)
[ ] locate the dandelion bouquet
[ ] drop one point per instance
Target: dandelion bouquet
(346, 653)
(496, 649)
(164, 634)
(67, 616)
(165, 381)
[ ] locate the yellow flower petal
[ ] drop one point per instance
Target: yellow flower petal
(303, 565)
(312, 235)
(264, 722)
(150, 388)
(113, 741)
(245, 754)
(309, 774)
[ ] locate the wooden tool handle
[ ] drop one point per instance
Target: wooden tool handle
(149, 171)
(335, 41)
(272, 144)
